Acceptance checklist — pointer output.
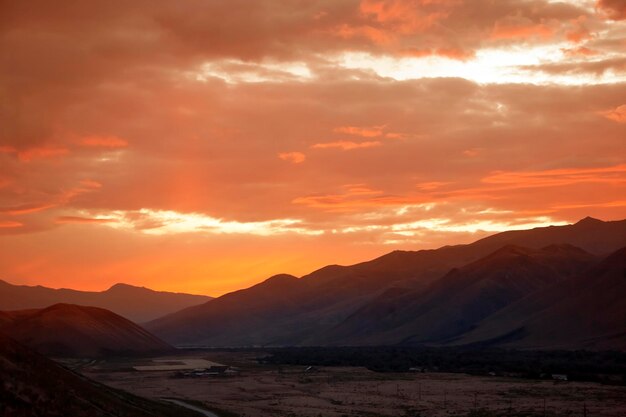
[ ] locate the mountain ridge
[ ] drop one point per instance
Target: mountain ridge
(311, 305)
(147, 304)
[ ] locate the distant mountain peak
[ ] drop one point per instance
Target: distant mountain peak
(589, 221)
(280, 278)
(122, 286)
(139, 304)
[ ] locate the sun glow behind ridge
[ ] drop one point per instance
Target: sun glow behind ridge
(329, 126)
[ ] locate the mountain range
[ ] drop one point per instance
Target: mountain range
(146, 304)
(545, 287)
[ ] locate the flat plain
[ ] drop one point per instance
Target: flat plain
(259, 390)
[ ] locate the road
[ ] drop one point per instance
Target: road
(202, 411)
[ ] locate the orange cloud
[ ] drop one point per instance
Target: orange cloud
(406, 15)
(377, 36)
(559, 177)
(617, 115)
(580, 51)
(450, 53)
(520, 29)
(293, 157)
(614, 9)
(471, 153)
(35, 153)
(104, 142)
(432, 185)
(26, 209)
(366, 132)
(83, 220)
(356, 197)
(10, 224)
(91, 184)
(347, 145)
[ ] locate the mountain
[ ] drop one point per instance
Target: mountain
(587, 311)
(35, 386)
(285, 310)
(68, 330)
(458, 301)
(146, 304)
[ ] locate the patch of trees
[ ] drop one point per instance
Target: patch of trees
(607, 367)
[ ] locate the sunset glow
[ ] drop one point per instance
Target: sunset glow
(203, 146)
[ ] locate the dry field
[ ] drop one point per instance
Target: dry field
(273, 391)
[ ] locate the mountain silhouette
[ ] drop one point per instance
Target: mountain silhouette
(586, 311)
(146, 304)
(312, 310)
(458, 301)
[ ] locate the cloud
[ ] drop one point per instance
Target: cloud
(365, 132)
(617, 114)
(103, 142)
(35, 153)
(83, 220)
(293, 157)
(9, 224)
(520, 29)
(161, 222)
(559, 177)
(596, 67)
(615, 9)
(347, 145)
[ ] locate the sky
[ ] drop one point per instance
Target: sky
(204, 145)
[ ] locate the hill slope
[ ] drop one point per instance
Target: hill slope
(458, 301)
(146, 304)
(285, 310)
(76, 331)
(587, 311)
(35, 386)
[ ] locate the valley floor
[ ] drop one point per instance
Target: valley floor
(260, 390)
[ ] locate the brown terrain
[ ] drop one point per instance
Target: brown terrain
(75, 331)
(287, 391)
(146, 304)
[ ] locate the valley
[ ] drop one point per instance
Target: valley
(264, 390)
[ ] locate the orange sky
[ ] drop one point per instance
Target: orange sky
(205, 145)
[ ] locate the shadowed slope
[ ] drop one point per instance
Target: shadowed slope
(462, 298)
(76, 331)
(35, 386)
(587, 311)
